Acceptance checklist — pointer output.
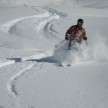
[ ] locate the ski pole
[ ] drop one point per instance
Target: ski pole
(59, 43)
(86, 42)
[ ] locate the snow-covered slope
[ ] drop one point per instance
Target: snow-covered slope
(7, 3)
(29, 73)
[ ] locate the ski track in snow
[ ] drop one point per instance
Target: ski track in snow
(12, 82)
(6, 63)
(8, 26)
(48, 23)
(45, 26)
(50, 16)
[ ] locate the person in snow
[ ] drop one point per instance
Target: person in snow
(76, 33)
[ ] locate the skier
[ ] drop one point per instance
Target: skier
(76, 33)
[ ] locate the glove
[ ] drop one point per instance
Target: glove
(66, 38)
(85, 38)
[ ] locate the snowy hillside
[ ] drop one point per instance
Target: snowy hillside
(30, 75)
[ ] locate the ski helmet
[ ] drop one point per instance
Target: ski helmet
(80, 21)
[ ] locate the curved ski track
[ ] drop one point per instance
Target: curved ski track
(44, 27)
(11, 84)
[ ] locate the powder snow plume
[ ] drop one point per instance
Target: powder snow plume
(95, 51)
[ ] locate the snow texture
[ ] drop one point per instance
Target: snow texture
(30, 75)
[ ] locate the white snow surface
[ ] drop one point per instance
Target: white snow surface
(30, 75)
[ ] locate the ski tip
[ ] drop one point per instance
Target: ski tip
(60, 65)
(68, 64)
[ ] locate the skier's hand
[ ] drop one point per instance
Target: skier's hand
(66, 38)
(85, 38)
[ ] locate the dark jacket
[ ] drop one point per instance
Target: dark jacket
(75, 32)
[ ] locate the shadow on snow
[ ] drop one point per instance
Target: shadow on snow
(49, 59)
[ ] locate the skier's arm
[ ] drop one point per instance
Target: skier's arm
(68, 31)
(84, 34)
(67, 35)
